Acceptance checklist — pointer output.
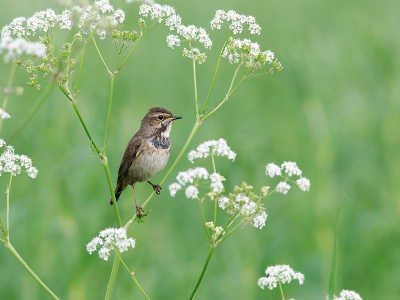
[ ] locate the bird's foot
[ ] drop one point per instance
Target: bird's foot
(139, 211)
(157, 188)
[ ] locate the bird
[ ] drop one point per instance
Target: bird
(146, 154)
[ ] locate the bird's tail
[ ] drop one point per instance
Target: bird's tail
(117, 193)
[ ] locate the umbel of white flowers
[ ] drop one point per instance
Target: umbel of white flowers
(279, 273)
(14, 163)
(110, 239)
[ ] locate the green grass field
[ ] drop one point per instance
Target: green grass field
(334, 109)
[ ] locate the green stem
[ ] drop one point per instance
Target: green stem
(230, 232)
(8, 90)
(215, 211)
(102, 157)
(107, 170)
(8, 207)
(109, 112)
(280, 288)
(78, 79)
(113, 276)
(196, 100)
(210, 252)
(189, 139)
(230, 92)
(101, 57)
(24, 264)
(215, 74)
(134, 47)
(204, 219)
(132, 274)
(38, 104)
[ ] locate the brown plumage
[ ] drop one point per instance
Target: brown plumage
(147, 152)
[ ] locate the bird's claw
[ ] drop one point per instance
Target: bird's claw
(139, 211)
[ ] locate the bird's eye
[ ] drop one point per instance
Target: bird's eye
(160, 117)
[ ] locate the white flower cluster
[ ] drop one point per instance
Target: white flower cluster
(110, 239)
(213, 147)
(290, 169)
(3, 113)
(246, 207)
(99, 16)
(13, 163)
(190, 176)
(348, 295)
(282, 273)
(16, 47)
(217, 230)
(247, 53)
(236, 22)
(174, 22)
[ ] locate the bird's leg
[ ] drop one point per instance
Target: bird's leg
(157, 188)
(139, 209)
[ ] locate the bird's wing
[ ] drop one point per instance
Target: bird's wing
(133, 149)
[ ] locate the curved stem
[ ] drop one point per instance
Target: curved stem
(108, 113)
(78, 79)
(107, 170)
(33, 274)
(38, 104)
(113, 276)
(210, 252)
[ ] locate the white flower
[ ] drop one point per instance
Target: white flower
(236, 22)
(216, 183)
(269, 282)
(3, 113)
(173, 188)
(17, 47)
(282, 187)
(259, 220)
(213, 147)
(210, 225)
(110, 239)
(248, 208)
(282, 273)
(191, 192)
(217, 231)
(173, 40)
(191, 174)
(222, 202)
(272, 170)
(303, 183)
(13, 163)
(348, 295)
(290, 168)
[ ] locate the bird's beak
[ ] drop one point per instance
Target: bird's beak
(173, 118)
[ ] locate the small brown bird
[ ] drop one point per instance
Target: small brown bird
(147, 153)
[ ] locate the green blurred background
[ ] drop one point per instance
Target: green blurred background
(334, 109)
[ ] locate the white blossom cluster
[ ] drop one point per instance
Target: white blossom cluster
(213, 147)
(174, 22)
(279, 273)
(247, 53)
(14, 48)
(217, 230)
(348, 295)
(97, 17)
(236, 22)
(14, 163)
(289, 169)
(245, 203)
(3, 113)
(110, 239)
(190, 176)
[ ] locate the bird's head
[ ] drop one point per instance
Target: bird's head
(159, 119)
